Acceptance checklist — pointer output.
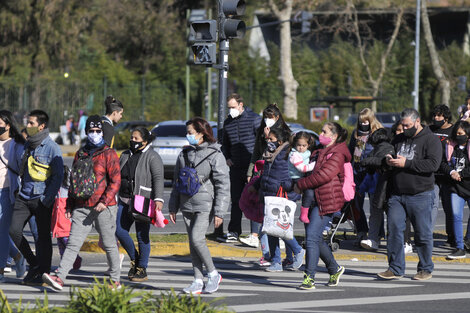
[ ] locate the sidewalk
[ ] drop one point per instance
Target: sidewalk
(69, 150)
(347, 251)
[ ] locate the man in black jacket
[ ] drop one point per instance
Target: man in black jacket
(238, 142)
(419, 154)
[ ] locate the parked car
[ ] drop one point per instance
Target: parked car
(387, 119)
(169, 141)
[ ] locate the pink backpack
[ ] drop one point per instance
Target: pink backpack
(348, 183)
(349, 187)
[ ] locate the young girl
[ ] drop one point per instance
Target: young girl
(299, 164)
(60, 224)
(276, 175)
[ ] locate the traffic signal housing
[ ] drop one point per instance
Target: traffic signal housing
(229, 27)
(203, 38)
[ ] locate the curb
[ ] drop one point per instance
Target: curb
(224, 250)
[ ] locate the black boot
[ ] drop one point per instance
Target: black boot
(140, 274)
(132, 270)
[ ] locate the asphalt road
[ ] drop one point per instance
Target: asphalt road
(247, 288)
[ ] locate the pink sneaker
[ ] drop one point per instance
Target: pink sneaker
(115, 285)
(53, 281)
(263, 262)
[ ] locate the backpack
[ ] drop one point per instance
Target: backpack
(348, 183)
(188, 182)
(349, 187)
(83, 181)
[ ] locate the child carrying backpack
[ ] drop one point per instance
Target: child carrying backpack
(60, 225)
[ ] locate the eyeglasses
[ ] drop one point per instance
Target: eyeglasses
(98, 131)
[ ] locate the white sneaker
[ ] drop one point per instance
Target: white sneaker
(282, 245)
(251, 241)
(408, 248)
(369, 244)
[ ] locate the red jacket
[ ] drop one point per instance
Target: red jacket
(106, 164)
(327, 177)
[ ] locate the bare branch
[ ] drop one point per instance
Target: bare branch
(275, 8)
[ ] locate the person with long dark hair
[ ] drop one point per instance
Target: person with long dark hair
(327, 181)
(142, 175)
(11, 149)
(210, 202)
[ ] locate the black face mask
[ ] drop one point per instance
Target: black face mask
(438, 124)
(410, 132)
(272, 146)
(134, 145)
(2, 130)
(461, 139)
(364, 128)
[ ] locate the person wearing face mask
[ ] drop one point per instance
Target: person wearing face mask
(442, 127)
(41, 172)
(419, 155)
(327, 181)
(210, 202)
(456, 167)
(239, 134)
(11, 149)
(141, 174)
(360, 149)
(272, 118)
(99, 209)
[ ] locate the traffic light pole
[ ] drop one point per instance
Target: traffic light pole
(223, 72)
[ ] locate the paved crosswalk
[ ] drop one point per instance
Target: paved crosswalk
(247, 288)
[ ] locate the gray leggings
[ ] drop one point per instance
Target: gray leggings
(82, 222)
(196, 226)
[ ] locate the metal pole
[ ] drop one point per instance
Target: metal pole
(209, 85)
(417, 39)
(188, 13)
(223, 72)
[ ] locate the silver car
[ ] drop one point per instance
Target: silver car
(169, 141)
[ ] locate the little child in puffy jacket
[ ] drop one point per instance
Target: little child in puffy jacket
(299, 164)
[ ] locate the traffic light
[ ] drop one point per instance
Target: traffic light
(232, 28)
(306, 18)
(203, 37)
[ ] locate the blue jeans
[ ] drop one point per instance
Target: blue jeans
(419, 209)
(6, 210)
(317, 248)
(123, 224)
(458, 204)
(263, 238)
(275, 251)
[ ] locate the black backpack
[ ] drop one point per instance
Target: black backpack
(83, 181)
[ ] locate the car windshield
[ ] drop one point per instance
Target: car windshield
(170, 131)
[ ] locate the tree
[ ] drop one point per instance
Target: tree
(443, 82)
(374, 80)
(289, 83)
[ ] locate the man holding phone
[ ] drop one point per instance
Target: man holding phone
(419, 154)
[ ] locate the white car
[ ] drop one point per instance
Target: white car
(169, 141)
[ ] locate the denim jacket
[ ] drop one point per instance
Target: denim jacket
(48, 152)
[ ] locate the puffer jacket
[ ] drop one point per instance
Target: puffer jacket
(214, 194)
(108, 173)
(239, 138)
(327, 177)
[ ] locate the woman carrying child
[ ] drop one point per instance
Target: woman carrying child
(327, 181)
(276, 175)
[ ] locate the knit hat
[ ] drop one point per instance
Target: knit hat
(93, 121)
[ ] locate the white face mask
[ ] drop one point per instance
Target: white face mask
(234, 113)
(95, 138)
(269, 122)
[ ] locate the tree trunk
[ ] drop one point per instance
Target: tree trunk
(444, 84)
(289, 83)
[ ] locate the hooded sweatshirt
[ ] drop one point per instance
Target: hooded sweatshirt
(423, 154)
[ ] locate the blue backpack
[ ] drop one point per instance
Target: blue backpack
(188, 182)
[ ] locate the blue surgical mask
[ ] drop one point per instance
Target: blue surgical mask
(192, 139)
(95, 138)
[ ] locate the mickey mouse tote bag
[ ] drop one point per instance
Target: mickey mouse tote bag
(279, 215)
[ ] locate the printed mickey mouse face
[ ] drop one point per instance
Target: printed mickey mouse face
(283, 215)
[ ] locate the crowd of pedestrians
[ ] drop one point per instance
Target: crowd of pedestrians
(405, 172)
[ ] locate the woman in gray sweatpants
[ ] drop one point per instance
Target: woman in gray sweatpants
(210, 201)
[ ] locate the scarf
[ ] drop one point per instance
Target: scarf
(91, 148)
(32, 143)
(359, 148)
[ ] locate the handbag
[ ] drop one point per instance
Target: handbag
(38, 171)
(143, 209)
(279, 215)
(249, 203)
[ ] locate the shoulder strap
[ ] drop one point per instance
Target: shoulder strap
(186, 159)
(215, 151)
(8, 167)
